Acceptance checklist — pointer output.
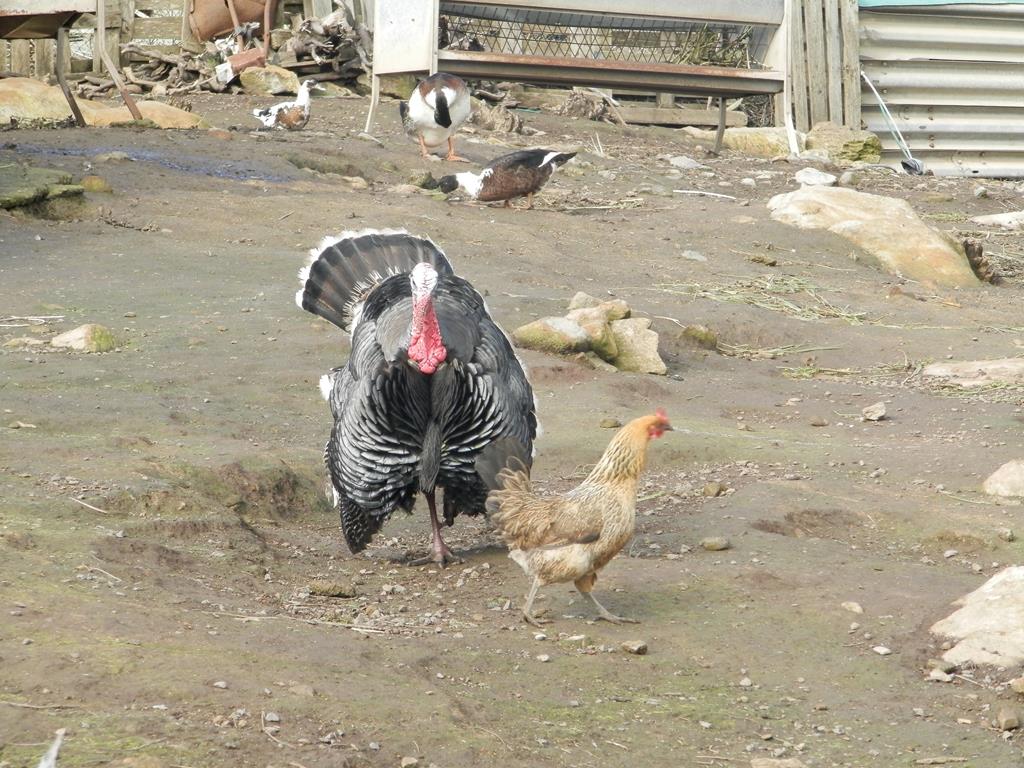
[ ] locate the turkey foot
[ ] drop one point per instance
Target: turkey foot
(440, 553)
(603, 614)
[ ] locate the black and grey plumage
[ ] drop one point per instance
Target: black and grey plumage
(517, 174)
(430, 382)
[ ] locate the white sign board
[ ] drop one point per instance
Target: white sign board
(404, 36)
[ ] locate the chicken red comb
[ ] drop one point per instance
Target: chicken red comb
(660, 413)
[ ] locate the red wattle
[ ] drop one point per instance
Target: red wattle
(426, 347)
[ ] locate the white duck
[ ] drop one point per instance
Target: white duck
(434, 112)
(292, 115)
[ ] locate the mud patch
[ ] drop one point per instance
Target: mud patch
(143, 554)
(812, 524)
(958, 540)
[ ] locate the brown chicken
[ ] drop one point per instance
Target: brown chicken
(571, 537)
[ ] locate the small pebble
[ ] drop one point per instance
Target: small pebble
(543, 658)
(272, 717)
(881, 650)
(220, 684)
(410, 762)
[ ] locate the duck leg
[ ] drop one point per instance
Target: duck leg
(423, 145)
(440, 553)
(452, 157)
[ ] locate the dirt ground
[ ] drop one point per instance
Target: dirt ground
(174, 624)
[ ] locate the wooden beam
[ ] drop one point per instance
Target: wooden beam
(679, 116)
(61, 61)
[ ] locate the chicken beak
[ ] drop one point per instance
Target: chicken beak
(668, 428)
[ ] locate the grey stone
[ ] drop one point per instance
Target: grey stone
(844, 145)
(583, 301)
(637, 346)
(557, 335)
(715, 543)
(636, 647)
(594, 321)
(269, 81)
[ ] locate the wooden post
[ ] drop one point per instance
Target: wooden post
(834, 61)
(99, 40)
(816, 72)
(798, 61)
(62, 62)
(849, 24)
(21, 57)
(43, 57)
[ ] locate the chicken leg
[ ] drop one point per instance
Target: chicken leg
(605, 614)
(528, 616)
(440, 552)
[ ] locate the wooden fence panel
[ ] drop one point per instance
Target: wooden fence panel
(825, 70)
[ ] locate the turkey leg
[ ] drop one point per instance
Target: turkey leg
(440, 554)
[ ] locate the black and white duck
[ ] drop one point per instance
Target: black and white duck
(434, 112)
(517, 174)
(291, 115)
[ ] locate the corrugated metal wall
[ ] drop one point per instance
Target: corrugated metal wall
(953, 77)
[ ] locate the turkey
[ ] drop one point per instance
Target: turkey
(430, 382)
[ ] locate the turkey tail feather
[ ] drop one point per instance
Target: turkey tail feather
(344, 269)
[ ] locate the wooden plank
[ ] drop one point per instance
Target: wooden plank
(849, 24)
(21, 57)
(675, 116)
(44, 55)
(798, 67)
(165, 7)
(816, 71)
(834, 61)
(160, 28)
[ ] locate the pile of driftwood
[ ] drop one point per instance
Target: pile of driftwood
(335, 47)
(158, 74)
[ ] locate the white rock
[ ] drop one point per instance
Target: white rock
(939, 676)
(693, 256)
(684, 163)
(1008, 480)
(885, 227)
(1011, 220)
(976, 373)
(852, 607)
(812, 177)
(882, 650)
(637, 346)
(989, 625)
(772, 762)
(90, 337)
(874, 412)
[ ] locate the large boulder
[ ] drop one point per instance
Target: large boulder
(558, 335)
(27, 100)
(756, 142)
(637, 346)
(1008, 480)
(989, 625)
(269, 81)
(885, 227)
(844, 146)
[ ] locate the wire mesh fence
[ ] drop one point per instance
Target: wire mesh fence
(557, 34)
